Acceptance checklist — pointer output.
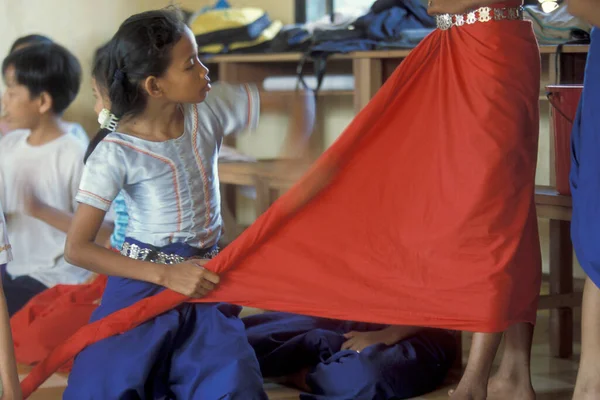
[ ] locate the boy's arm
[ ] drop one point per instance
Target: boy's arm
(61, 220)
(300, 106)
(588, 10)
(358, 341)
(8, 366)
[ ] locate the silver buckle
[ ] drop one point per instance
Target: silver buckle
(444, 21)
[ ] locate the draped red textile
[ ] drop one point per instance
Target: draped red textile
(422, 212)
(51, 317)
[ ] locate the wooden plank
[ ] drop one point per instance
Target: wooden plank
(376, 54)
(367, 81)
(547, 195)
(263, 195)
(556, 213)
(561, 282)
(566, 300)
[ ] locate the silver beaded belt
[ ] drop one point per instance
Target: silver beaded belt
(141, 253)
(482, 14)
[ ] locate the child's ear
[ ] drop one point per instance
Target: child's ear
(152, 87)
(45, 103)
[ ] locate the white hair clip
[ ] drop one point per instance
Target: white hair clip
(107, 120)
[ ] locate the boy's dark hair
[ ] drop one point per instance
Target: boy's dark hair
(47, 68)
(140, 48)
(29, 40)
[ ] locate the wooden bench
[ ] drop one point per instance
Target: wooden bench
(562, 298)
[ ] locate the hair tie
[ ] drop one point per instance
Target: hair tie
(108, 120)
(119, 75)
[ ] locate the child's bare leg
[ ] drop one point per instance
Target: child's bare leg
(588, 378)
(513, 379)
(473, 385)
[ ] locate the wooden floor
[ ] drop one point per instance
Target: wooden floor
(553, 379)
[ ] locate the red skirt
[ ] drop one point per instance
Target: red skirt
(422, 213)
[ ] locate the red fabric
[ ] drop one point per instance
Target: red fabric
(422, 212)
(51, 317)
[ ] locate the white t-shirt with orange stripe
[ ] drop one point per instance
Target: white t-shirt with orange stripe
(172, 188)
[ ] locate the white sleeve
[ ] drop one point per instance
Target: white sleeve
(76, 174)
(236, 107)
(5, 252)
(2, 183)
(103, 176)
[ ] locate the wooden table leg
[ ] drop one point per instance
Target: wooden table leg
(228, 213)
(263, 196)
(561, 282)
(458, 362)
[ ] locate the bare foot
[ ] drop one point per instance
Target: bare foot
(466, 394)
(501, 388)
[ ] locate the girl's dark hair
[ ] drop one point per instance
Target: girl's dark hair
(99, 67)
(140, 48)
(29, 40)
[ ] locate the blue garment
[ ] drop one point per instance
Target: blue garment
(388, 23)
(195, 351)
(287, 343)
(585, 167)
(18, 291)
(121, 220)
(385, 22)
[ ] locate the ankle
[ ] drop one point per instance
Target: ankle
(586, 385)
(514, 372)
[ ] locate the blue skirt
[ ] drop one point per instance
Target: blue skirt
(287, 343)
(195, 351)
(585, 168)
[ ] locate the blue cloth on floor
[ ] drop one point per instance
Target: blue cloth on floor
(195, 351)
(287, 343)
(585, 167)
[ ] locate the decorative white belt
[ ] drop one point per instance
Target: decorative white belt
(145, 254)
(482, 14)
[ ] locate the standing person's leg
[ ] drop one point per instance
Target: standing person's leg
(513, 379)
(9, 378)
(473, 384)
(588, 378)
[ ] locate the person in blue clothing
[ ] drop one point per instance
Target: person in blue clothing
(585, 188)
(338, 360)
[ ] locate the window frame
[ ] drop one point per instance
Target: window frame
(301, 6)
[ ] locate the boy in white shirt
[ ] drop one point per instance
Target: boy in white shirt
(38, 158)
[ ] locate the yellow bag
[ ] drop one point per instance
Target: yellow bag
(261, 42)
(230, 25)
